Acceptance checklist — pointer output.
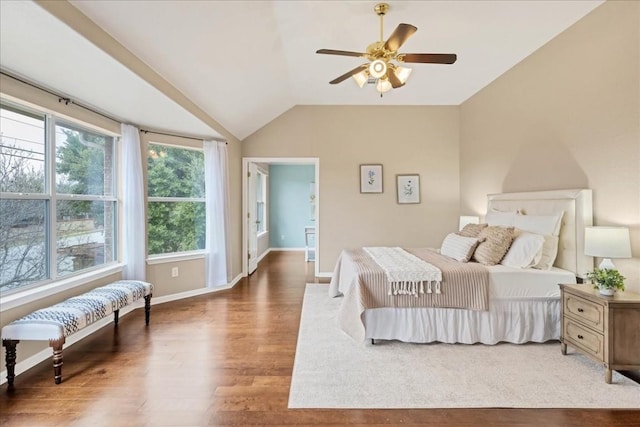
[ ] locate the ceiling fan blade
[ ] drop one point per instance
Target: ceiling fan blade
(400, 35)
(393, 79)
(339, 52)
(348, 74)
(428, 58)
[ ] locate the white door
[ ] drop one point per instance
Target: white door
(252, 224)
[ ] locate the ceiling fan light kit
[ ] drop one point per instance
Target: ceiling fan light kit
(386, 74)
(378, 68)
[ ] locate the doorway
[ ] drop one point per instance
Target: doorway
(254, 226)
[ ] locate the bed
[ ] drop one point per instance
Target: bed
(523, 305)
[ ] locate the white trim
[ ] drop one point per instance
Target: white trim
(46, 354)
(33, 294)
(287, 249)
(174, 257)
(324, 274)
(264, 254)
(262, 233)
(195, 292)
(176, 199)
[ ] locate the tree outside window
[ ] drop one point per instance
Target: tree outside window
(176, 204)
(49, 231)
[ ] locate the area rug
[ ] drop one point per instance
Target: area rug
(333, 371)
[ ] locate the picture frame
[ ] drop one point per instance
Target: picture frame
(371, 178)
(408, 188)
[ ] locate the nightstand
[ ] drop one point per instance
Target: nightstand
(607, 329)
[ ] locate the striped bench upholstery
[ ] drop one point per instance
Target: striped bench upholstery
(57, 322)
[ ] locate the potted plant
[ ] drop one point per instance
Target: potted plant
(606, 280)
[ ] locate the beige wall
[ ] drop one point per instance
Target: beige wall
(567, 116)
(421, 140)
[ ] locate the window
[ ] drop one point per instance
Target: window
(261, 195)
(57, 198)
(176, 204)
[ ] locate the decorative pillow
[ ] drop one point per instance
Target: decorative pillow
(503, 219)
(525, 251)
(495, 246)
(547, 225)
(549, 253)
(458, 247)
(471, 230)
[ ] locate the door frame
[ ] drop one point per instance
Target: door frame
(315, 161)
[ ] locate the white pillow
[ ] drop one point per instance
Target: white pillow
(525, 251)
(502, 219)
(549, 253)
(458, 247)
(547, 225)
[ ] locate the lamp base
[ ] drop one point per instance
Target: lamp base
(607, 264)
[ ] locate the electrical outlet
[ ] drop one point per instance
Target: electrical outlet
(175, 272)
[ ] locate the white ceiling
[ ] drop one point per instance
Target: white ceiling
(247, 62)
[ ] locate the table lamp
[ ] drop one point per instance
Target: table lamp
(607, 243)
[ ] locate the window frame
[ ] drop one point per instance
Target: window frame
(54, 281)
(181, 255)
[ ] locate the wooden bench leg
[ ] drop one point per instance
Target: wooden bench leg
(147, 309)
(10, 361)
(116, 317)
(57, 358)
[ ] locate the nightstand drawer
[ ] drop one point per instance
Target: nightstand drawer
(585, 311)
(588, 341)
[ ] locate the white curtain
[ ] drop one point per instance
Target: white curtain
(133, 199)
(217, 213)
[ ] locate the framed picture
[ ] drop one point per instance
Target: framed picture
(408, 187)
(371, 178)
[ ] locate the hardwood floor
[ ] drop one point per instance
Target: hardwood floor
(222, 359)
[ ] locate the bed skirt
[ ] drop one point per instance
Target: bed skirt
(513, 321)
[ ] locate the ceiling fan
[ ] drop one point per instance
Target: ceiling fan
(386, 74)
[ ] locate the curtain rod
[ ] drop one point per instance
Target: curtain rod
(67, 101)
(145, 131)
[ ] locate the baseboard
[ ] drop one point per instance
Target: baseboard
(47, 353)
(287, 249)
(324, 274)
(264, 254)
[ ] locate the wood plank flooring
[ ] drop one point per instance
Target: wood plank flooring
(222, 359)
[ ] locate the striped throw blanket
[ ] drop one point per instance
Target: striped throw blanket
(405, 272)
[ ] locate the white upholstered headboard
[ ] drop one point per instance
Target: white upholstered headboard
(578, 214)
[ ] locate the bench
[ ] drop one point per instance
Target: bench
(61, 320)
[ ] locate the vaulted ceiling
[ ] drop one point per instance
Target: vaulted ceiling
(246, 62)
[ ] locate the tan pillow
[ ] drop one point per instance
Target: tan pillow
(471, 230)
(495, 246)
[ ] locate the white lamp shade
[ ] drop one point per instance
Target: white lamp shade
(468, 219)
(403, 74)
(361, 78)
(607, 242)
(383, 86)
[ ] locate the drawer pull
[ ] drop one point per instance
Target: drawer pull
(580, 337)
(580, 310)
